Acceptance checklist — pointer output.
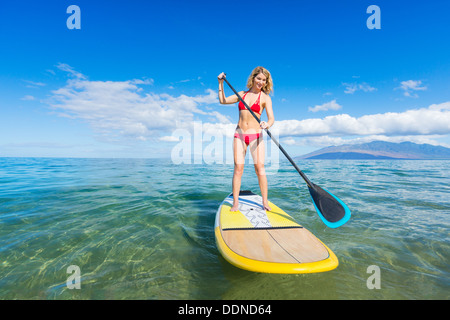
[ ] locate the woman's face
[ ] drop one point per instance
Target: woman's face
(260, 81)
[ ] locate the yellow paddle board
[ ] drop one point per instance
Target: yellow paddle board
(268, 241)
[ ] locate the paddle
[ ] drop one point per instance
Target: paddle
(333, 212)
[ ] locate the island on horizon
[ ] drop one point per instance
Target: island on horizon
(377, 150)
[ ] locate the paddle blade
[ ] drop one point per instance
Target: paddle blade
(333, 212)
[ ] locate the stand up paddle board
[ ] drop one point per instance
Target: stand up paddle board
(268, 241)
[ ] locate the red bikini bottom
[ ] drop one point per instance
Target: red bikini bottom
(247, 138)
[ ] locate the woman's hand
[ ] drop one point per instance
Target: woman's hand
(264, 125)
(221, 76)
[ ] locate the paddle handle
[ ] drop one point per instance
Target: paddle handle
(308, 182)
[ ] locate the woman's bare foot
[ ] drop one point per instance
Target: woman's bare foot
(235, 207)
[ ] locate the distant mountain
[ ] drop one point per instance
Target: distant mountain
(381, 150)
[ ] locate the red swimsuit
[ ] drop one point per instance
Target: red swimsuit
(247, 138)
(255, 107)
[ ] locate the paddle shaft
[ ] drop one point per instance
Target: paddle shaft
(273, 139)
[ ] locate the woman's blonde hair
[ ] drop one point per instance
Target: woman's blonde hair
(268, 88)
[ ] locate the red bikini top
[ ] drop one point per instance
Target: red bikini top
(255, 107)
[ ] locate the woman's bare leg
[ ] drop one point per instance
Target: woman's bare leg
(240, 149)
(257, 150)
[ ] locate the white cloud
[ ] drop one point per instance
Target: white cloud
(124, 109)
(169, 139)
(410, 86)
(28, 98)
(332, 105)
(289, 141)
(33, 84)
(220, 117)
(353, 87)
(222, 129)
(425, 125)
(434, 120)
(69, 69)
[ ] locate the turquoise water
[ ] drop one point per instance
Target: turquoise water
(143, 229)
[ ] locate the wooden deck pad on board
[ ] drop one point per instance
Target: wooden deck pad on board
(281, 245)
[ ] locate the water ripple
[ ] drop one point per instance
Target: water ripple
(143, 229)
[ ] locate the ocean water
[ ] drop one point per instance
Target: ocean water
(144, 229)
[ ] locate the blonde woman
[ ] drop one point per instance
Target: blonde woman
(248, 131)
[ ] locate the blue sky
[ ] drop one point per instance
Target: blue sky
(140, 73)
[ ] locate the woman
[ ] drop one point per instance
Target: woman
(248, 131)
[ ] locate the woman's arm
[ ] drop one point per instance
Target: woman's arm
(269, 112)
(222, 98)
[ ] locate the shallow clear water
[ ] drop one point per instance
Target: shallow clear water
(144, 229)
